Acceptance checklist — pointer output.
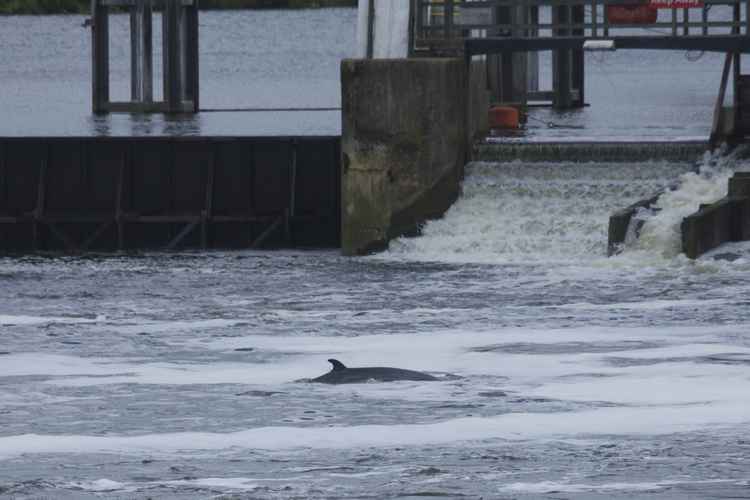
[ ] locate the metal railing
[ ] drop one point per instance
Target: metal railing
(457, 19)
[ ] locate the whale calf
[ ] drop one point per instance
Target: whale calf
(340, 374)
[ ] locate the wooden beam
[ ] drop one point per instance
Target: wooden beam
(95, 235)
(711, 43)
(208, 206)
(181, 235)
(134, 107)
(119, 193)
(716, 128)
(265, 234)
(70, 245)
(40, 195)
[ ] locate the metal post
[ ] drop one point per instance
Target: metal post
(704, 20)
(685, 22)
(192, 50)
(370, 28)
(737, 91)
(532, 58)
(578, 61)
(172, 57)
(594, 20)
(561, 61)
(448, 18)
(99, 56)
(141, 53)
(413, 20)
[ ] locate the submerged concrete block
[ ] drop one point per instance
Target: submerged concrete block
(726, 220)
(708, 228)
(619, 223)
(406, 131)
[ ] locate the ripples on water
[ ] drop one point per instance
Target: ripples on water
(173, 375)
(249, 59)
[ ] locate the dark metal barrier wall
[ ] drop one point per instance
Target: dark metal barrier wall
(81, 194)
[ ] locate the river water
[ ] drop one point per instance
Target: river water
(277, 59)
(562, 373)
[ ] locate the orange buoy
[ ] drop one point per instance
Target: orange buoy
(503, 117)
(631, 14)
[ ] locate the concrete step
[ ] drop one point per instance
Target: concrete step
(627, 151)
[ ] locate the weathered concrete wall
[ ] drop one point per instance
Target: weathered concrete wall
(406, 132)
(721, 222)
(708, 228)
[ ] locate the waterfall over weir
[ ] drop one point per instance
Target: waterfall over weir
(521, 212)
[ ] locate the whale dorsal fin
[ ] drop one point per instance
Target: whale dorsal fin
(337, 365)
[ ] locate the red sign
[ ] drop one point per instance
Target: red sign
(676, 4)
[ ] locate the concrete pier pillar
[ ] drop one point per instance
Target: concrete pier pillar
(726, 220)
(407, 126)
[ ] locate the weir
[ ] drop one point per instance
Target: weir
(500, 37)
(106, 194)
(414, 112)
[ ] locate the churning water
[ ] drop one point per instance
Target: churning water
(579, 376)
(178, 375)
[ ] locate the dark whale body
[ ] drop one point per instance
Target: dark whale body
(340, 374)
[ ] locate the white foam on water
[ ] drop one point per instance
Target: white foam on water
(284, 359)
(462, 431)
(661, 232)
(558, 214)
(18, 320)
(562, 487)
(647, 305)
(224, 483)
(674, 381)
(534, 212)
(100, 486)
(176, 326)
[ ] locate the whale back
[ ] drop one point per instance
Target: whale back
(340, 374)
